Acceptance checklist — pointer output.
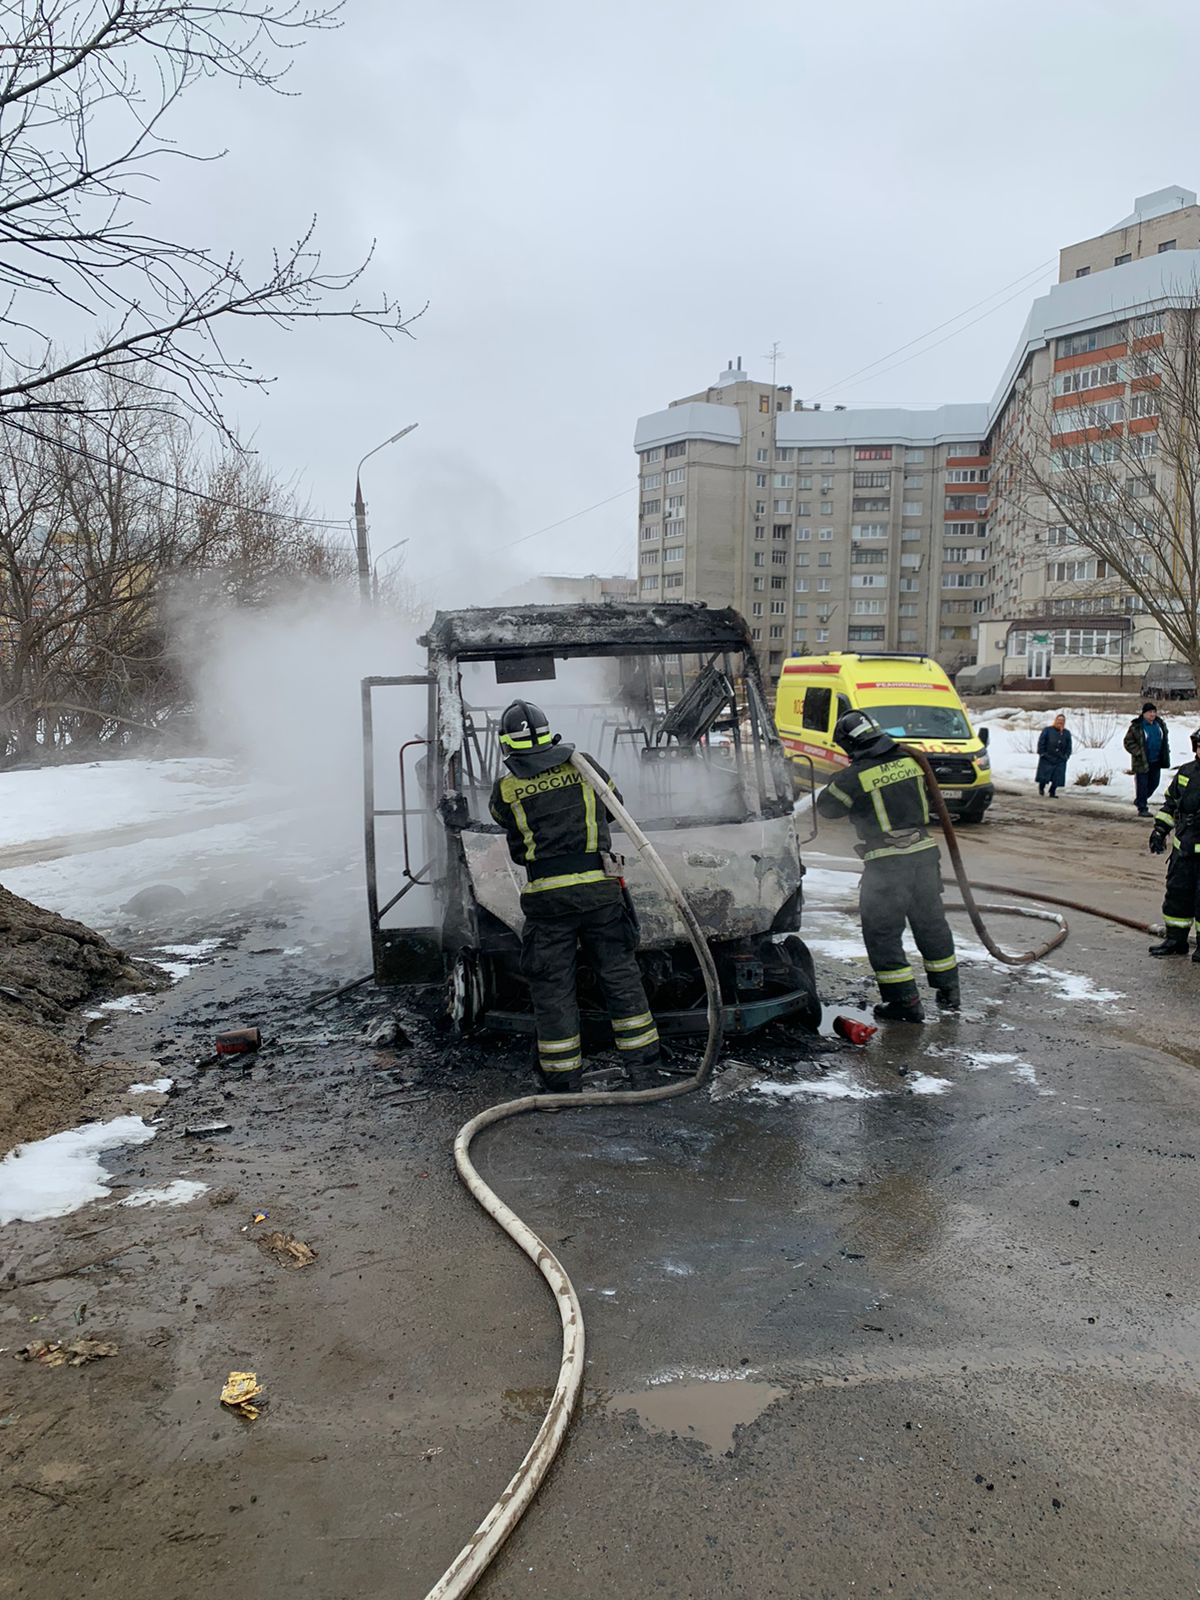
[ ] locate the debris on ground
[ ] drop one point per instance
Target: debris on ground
(204, 1130)
(852, 1031)
(238, 1042)
(55, 1353)
(48, 965)
(240, 1391)
(386, 1032)
(222, 1197)
(287, 1250)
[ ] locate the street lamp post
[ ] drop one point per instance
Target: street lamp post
(375, 567)
(360, 518)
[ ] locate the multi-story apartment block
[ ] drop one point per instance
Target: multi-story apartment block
(917, 530)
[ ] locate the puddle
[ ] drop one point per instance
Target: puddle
(707, 1409)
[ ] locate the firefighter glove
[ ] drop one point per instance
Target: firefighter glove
(1158, 841)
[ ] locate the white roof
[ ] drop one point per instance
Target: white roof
(882, 425)
(694, 419)
(1158, 204)
(1109, 296)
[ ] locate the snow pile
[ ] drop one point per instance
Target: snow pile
(836, 1086)
(1097, 738)
(173, 1194)
(52, 1177)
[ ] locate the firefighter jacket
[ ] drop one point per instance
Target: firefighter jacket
(885, 798)
(557, 827)
(1180, 808)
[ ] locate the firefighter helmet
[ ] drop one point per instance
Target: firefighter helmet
(524, 726)
(860, 735)
(1196, 739)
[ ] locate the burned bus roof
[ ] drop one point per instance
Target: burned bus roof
(603, 628)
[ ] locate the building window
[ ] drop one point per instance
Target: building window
(1077, 571)
(783, 508)
(673, 580)
(1082, 272)
(873, 452)
(675, 475)
(760, 559)
(971, 474)
(801, 608)
(1072, 383)
(914, 480)
(966, 502)
(779, 558)
(764, 402)
(674, 530)
(870, 480)
(756, 610)
(759, 584)
(914, 455)
(822, 635)
(777, 630)
(652, 455)
(865, 635)
(650, 582)
(827, 458)
(804, 481)
(825, 559)
(803, 559)
(870, 558)
(909, 585)
(801, 585)
(824, 585)
(780, 530)
(784, 453)
(760, 480)
(652, 480)
(651, 508)
(778, 583)
(1078, 344)
(650, 531)
(826, 508)
(760, 508)
(867, 503)
(804, 457)
(960, 553)
(674, 503)
(869, 580)
(756, 633)
(867, 608)
(803, 508)
(963, 530)
(761, 454)
(962, 580)
(673, 554)
(778, 608)
(804, 534)
(1119, 261)
(678, 449)
(784, 480)
(1167, 244)
(759, 531)
(649, 558)
(912, 508)
(1144, 404)
(1146, 327)
(1143, 445)
(869, 530)
(907, 608)
(826, 534)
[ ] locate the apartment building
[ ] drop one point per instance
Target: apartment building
(917, 530)
(828, 529)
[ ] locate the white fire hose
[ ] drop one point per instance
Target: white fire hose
(473, 1560)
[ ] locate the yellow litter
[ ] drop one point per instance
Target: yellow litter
(241, 1389)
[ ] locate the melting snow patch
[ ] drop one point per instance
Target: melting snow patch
(926, 1083)
(55, 1176)
(1074, 985)
(190, 955)
(156, 1086)
(175, 1194)
(837, 1086)
(124, 1002)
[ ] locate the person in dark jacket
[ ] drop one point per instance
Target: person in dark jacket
(1181, 811)
(1149, 746)
(1054, 751)
(883, 794)
(559, 832)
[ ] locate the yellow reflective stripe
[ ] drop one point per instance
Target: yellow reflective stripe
(624, 1024)
(838, 795)
(589, 813)
(1178, 922)
(1164, 816)
(565, 880)
(522, 822)
(901, 850)
(558, 1044)
(897, 975)
(947, 965)
(1181, 780)
(639, 1041)
(571, 1065)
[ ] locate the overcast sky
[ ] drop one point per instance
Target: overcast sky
(601, 205)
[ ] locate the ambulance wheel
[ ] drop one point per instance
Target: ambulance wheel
(465, 993)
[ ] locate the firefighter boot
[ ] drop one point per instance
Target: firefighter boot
(949, 997)
(560, 1082)
(900, 1011)
(1170, 947)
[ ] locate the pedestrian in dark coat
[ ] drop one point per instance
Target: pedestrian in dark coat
(1054, 751)
(1149, 747)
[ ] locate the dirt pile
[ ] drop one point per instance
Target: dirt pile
(49, 965)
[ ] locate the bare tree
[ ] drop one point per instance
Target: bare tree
(1118, 496)
(86, 88)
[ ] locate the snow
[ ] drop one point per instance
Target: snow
(156, 1086)
(174, 1194)
(925, 1083)
(57, 801)
(1012, 745)
(836, 1086)
(1072, 985)
(193, 956)
(55, 1176)
(124, 1002)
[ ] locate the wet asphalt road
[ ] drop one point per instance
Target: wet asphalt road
(925, 1328)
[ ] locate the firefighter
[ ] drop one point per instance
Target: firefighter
(558, 831)
(1181, 811)
(883, 793)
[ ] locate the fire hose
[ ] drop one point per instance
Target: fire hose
(473, 1560)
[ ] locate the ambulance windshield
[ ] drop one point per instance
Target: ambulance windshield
(921, 722)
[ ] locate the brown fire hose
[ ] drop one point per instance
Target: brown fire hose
(960, 873)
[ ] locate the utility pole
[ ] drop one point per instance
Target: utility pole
(362, 550)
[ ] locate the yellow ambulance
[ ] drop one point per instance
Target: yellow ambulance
(908, 695)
